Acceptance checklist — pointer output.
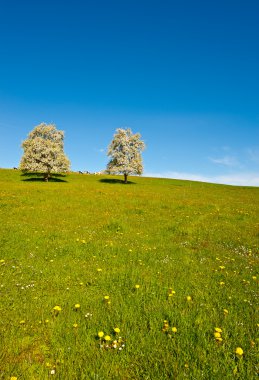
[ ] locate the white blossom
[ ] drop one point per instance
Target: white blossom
(125, 152)
(44, 151)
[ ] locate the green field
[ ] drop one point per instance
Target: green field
(83, 243)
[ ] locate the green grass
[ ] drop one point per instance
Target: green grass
(199, 240)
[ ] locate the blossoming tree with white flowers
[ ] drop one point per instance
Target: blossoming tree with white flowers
(125, 152)
(44, 151)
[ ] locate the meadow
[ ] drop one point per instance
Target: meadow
(156, 279)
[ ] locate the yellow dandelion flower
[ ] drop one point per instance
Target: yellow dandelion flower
(165, 325)
(137, 286)
(99, 269)
(13, 378)
(117, 330)
(77, 306)
(225, 311)
(188, 298)
(107, 338)
(217, 335)
(254, 277)
(83, 241)
(219, 339)
(218, 329)
(46, 320)
(239, 351)
(22, 322)
(222, 283)
(100, 334)
(57, 309)
(75, 325)
(174, 329)
(106, 297)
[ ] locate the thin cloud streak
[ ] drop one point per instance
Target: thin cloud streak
(226, 161)
(237, 179)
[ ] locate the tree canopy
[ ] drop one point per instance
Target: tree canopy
(44, 151)
(125, 152)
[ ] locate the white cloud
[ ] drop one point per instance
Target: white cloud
(227, 161)
(99, 150)
(237, 179)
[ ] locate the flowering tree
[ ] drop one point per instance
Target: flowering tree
(44, 151)
(125, 152)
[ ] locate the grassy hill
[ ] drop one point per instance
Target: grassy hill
(171, 265)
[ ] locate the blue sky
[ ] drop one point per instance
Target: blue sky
(182, 73)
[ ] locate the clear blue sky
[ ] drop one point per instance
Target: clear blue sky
(185, 74)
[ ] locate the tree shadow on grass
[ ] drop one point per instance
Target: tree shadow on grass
(38, 177)
(43, 180)
(114, 181)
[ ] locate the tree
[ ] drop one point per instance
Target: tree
(44, 151)
(125, 152)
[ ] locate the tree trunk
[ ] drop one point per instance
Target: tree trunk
(46, 176)
(125, 178)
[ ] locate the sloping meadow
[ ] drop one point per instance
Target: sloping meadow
(156, 279)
